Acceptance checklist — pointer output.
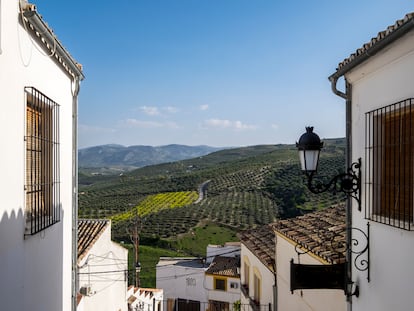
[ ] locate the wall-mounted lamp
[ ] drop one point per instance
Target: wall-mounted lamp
(309, 147)
(357, 244)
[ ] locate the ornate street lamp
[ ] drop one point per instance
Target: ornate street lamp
(332, 276)
(309, 147)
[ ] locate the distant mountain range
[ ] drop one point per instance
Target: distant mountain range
(138, 156)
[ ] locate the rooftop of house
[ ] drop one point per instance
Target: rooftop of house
(225, 266)
(135, 292)
(383, 38)
(89, 231)
(35, 23)
(227, 244)
(322, 233)
(187, 262)
(261, 242)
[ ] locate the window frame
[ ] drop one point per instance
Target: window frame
(257, 286)
(246, 270)
(42, 161)
(223, 281)
(234, 285)
(389, 147)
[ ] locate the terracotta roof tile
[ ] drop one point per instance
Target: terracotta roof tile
(323, 233)
(408, 18)
(131, 299)
(78, 298)
(89, 230)
(225, 266)
(261, 242)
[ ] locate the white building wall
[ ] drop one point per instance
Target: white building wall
(305, 300)
(385, 79)
(266, 274)
(230, 295)
(181, 281)
(104, 269)
(36, 270)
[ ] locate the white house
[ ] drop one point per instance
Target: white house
(182, 280)
(258, 268)
(39, 84)
(190, 283)
(145, 299)
(379, 96)
(102, 268)
(316, 238)
(222, 282)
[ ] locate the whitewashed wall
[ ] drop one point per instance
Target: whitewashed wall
(230, 295)
(104, 270)
(36, 271)
(385, 79)
(180, 280)
(266, 274)
(305, 300)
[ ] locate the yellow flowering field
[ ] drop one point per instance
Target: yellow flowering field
(157, 202)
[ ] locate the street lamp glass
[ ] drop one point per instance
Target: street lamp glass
(309, 160)
(309, 147)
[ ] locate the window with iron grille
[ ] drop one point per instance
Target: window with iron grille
(42, 162)
(390, 167)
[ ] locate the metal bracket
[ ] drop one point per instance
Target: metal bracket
(358, 246)
(348, 183)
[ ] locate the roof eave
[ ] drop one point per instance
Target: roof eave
(375, 48)
(50, 40)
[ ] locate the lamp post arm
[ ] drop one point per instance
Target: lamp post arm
(348, 183)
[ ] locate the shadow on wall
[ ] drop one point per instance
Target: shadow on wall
(31, 267)
(12, 260)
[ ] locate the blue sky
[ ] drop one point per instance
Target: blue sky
(212, 72)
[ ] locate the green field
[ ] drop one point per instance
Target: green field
(148, 257)
(190, 244)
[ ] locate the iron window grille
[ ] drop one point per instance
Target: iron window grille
(389, 164)
(42, 186)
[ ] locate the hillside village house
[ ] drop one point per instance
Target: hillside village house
(258, 268)
(313, 239)
(222, 282)
(39, 84)
(379, 98)
(182, 280)
(201, 284)
(102, 268)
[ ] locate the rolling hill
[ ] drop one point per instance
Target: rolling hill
(132, 157)
(243, 187)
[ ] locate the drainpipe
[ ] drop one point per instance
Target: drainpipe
(348, 161)
(75, 91)
(275, 300)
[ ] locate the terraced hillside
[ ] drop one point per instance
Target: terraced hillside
(243, 187)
